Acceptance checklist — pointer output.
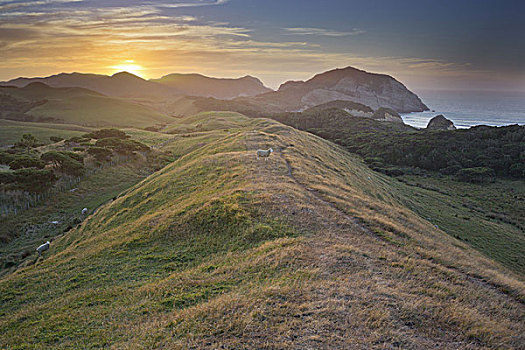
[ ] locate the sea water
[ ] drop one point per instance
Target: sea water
(469, 108)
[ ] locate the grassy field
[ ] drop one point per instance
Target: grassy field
(309, 249)
(11, 131)
(488, 217)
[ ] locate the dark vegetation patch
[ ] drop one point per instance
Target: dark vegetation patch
(477, 154)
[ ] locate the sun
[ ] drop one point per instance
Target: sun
(129, 66)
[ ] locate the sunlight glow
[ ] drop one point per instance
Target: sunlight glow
(128, 66)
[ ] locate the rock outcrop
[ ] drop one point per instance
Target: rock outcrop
(439, 122)
(347, 84)
(387, 115)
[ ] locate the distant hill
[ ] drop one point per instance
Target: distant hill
(127, 85)
(246, 93)
(121, 84)
(347, 84)
(81, 106)
(200, 85)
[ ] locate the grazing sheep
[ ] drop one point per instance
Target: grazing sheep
(43, 248)
(264, 153)
(84, 211)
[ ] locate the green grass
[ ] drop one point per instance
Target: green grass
(488, 217)
(306, 249)
(12, 131)
(202, 122)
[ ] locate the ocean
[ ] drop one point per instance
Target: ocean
(469, 108)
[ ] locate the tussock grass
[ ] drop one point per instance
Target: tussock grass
(310, 249)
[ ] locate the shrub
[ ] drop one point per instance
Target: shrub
(6, 158)
(67, 162)
(27, 141)
(56, 138)
(30, 179)
(20, 162)
(122, 146)
(77, 139)
(476, 175)
(107, 133)
(100, 153)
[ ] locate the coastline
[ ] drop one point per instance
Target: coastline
(470, 108)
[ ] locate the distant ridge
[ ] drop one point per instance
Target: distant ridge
(220, 88)
(124, 84)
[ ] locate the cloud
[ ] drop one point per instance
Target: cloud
(41, 40)
(322, 32)
(10, 5)
(197, 3)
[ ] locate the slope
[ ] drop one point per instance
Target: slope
(85, 107)
(309, 249)
(200, 85)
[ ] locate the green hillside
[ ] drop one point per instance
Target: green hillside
(12, 130)
(86, 107)
(308, 249)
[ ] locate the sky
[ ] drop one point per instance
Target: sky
(426, 44)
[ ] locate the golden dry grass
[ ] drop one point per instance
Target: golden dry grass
(309, 249)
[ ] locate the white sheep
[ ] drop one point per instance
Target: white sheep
(43, 248)
(84, 211)
(264, 153)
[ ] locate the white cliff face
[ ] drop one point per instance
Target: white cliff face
(350, 84)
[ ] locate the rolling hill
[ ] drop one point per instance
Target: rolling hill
(121, 84)
(200, 85)
(84, 107)
(309, 249)
(127, 85)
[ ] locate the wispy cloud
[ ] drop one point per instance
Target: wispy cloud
(192, 3)
(40, 37)
(322, 32)
(7, 5)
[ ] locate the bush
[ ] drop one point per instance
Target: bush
(56, 138)
(20, 162)
(27, 141)
(6, 158)
(67, 162)
(100, 153)
(122, 146)
(107, 133)
(35, 180)
(30, 179)
(77, 139)
(78, 149)
(476, 175)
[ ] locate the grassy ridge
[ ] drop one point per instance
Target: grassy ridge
(308, 249)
